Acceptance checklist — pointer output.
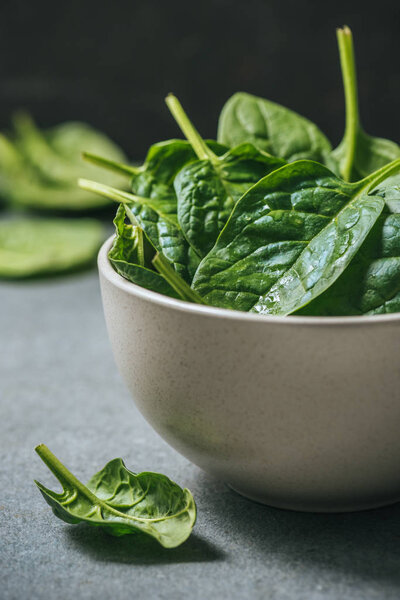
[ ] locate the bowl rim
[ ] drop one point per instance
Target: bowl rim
(107, 271)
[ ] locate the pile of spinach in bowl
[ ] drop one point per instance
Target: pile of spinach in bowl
(269, 219)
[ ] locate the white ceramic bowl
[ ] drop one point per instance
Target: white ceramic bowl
(295, 412)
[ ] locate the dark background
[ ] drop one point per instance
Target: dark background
(112, 63)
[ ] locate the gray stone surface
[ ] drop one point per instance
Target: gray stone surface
(59, 385)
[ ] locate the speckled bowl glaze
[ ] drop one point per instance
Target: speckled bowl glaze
(295, 412)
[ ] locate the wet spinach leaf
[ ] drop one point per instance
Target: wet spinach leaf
(272, 128)
(288, 239)
(371, 283)
(122, 502)
(358, 154)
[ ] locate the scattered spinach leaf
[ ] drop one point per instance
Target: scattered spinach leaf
(39, 169)
(32, 247)
(122, 502)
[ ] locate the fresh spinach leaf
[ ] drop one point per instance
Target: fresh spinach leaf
(272, 128)
(208, 189)
(122, 502)
(154, 179)
(358, 154)
(289, 238)
(39, 169)
(161, 228)
(371, 283)
(132, 253)
(32, 247)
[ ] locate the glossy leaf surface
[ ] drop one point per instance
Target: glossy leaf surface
(207, 191)
(288, 239)
(131, 256)
(161, 228)
(371, 283)
(122, 502)
(271, 127)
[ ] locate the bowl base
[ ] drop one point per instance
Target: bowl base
(317, 508)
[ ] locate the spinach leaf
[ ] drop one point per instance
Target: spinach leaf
(32, 247)
(271, 127)
(57, 154)
(358, 154)
(371, 283)
(154, 179)
(161, 228)
(132, 253)
(122, 502)
(208, 189)
(39, 169)
(289, 238)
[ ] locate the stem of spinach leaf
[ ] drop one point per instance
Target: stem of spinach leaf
(176, 282)
(190, 132)
(348, 65)
(111, 165)
(118, 196)
(372, 181)
(65, 477)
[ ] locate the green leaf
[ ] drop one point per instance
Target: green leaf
(288, 239)
(132, 253)
(272, 128)
(208, 190)
(122, 502)
(371, 283)
(161, 229)
(154, 179)
(39, 169)
(182, 288)
(358, 154)
(31, 247)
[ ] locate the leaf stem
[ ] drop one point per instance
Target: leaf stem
(348, 66)
(65, 477)
(119, 196)
(111, 165)
(190, 132)
(184, 290)
(372, 181)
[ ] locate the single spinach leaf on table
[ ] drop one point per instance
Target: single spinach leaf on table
(272, 128)
(208, 189)
(289, 238)
(122, 502)
(33, 247)
(358, 154)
